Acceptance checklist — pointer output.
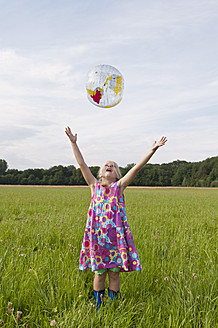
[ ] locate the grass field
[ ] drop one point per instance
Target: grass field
(41, 231)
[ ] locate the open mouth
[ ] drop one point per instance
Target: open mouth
(108, 170)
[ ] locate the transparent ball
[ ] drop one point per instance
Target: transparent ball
(104, 86)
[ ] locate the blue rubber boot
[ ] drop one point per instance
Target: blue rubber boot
(99, 298)
(113, 295)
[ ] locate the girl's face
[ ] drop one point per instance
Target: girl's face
(108, 171)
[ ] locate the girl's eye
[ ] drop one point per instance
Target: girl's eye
(107, 165)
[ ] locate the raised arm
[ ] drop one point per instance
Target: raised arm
(87, 174)
(131, 174)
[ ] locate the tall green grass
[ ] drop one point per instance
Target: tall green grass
(41, 231)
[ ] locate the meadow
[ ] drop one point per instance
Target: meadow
(41, 231)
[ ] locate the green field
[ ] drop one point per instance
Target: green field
(41, 231)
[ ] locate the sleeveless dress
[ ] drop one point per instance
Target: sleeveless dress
(108, 240)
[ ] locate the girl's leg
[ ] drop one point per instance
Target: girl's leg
(114, 281)
(99, 281)
(114, 286)
(99, 288)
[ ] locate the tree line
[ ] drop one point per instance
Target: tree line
(177, 173)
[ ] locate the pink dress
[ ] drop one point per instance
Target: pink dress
(108, 240)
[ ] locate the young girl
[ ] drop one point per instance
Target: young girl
(108, 246)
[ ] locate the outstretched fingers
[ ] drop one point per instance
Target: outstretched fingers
(163, 140)
(68, 132)
(160, 143)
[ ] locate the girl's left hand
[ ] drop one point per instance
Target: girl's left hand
(73, 138)
(158, 144)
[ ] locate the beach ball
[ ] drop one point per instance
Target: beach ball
(104, 86)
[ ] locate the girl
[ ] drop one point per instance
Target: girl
(108, 246)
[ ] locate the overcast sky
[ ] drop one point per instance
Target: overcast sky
(166, 50)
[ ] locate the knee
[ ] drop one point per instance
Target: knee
(113, 276)
(101, 277)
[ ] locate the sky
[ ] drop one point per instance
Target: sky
(166, 50)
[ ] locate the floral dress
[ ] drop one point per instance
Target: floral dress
(108, 240)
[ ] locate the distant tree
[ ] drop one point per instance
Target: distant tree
(59, 178)
(45, 180)
(178, 177)
(165, 175)
(32, 180)
(94, 170)
(3, 166)
(177, 173)
(213, 174)
(79, 180)
(214, 184)
(24, 181)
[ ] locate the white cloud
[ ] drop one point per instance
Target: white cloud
(25, 76)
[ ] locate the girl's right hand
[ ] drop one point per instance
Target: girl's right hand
(73, 138)
(158, 144)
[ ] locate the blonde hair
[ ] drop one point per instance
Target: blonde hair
(116, 167)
